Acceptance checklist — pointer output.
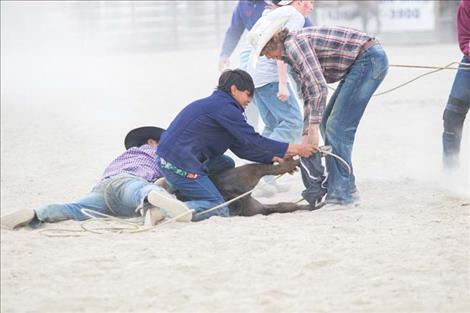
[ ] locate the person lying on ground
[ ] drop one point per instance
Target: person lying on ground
(126, 189)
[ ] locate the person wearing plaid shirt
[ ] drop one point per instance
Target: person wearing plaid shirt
(321, 55)
(126, 189)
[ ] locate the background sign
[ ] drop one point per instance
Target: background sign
(379, 16)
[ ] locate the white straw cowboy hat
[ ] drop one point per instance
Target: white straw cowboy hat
(261, 33)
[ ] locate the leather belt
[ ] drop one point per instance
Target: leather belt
(369, 43)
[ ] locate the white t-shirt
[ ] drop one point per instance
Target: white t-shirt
(266, 70)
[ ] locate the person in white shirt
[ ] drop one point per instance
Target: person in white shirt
(274, 95)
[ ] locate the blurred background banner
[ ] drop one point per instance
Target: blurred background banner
(379, 16)
(137, 26)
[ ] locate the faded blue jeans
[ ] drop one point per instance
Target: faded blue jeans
(454, 115)
(342, 116)
(199, 194)
(282, 119)
(124, 194)
(251, 111)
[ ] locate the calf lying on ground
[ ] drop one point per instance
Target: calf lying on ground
(241, 179)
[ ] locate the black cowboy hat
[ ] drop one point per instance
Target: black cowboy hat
(139, 136)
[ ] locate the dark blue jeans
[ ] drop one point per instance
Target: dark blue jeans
(454, 115)
(200, 194)
(342, 116)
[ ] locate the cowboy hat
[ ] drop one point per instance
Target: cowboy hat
(139, 136)
(261, 33)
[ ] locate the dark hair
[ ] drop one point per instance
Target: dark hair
(273, 43)
(241, 79)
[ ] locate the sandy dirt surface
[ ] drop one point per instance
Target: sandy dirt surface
(405, 248)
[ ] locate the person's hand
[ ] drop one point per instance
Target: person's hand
(278, 160)
(224, 63)
(305, 150)
(313, 135)
(283, 93)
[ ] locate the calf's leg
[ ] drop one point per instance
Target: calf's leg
(236, 181)
(249, 206)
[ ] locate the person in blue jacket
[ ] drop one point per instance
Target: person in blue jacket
(193, 146)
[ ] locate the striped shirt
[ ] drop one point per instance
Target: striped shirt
(320, 55)
(137, 161)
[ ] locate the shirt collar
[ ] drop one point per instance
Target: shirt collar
(147, 149)
(227, 95)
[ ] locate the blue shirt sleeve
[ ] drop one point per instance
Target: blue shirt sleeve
(234, 32)
(308, 22)
(249, 144)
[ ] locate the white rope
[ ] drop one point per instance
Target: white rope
(306, 170)
(339, 158)
(236, 198)
(92, 214)
(436, 69)
(414, 79)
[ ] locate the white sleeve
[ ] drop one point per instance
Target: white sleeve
(295, 19)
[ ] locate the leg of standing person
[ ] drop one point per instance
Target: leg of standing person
(251, 112)
(263, 108)
(282, 117)
(283, 122)
(342, 117)
(454, 116)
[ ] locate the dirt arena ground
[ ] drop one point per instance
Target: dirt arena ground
(404, 249)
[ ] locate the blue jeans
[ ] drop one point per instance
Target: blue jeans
(283, 120)
(200, 194)
(454, 115)
(124, 193)
(251, 112)
(342, 116)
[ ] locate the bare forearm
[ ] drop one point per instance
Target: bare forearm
(282, 72)
(311, 135)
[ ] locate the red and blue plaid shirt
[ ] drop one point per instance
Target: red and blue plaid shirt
(320, 55)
